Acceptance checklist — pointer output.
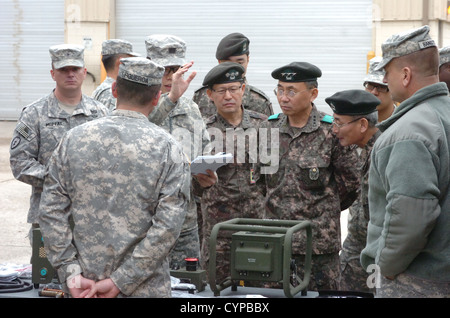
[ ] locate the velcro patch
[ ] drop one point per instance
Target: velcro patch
(15, 142)
(426, 44)
(25, 131)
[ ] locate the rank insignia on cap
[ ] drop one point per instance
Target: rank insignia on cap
(297, 72)
(224, 72)
(288, 76)
(232, 75)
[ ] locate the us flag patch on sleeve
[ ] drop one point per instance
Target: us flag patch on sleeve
(25, 131)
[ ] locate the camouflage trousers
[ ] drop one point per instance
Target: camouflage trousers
(407, 286)
(187, 245)
(325, 271)
(353, 276)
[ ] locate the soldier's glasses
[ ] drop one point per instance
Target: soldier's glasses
(223, 91)
(380, 88)
(339, 126)
(289, 93)
(171, 69)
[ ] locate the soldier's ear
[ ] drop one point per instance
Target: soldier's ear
(114, 89)
(156, 99)
(209, 92)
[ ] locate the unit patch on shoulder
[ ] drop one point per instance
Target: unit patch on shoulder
(327, 119)
(15, 142)
(273, 117)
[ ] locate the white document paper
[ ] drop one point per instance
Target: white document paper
(212, 162)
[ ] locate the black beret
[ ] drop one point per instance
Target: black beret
(353, 102)
(226, 72)
(232, 45)
(297, 72)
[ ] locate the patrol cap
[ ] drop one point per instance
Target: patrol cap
(67, 55)
(444, 55)
(140, 70)
(353, 102)
(375, 76)
(297, 72)
(166, 50)
(405, 43)
(233, 44)
(226, 72)
(117, 46)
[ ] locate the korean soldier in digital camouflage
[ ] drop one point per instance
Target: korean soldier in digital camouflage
(238, 192)
(112, 51)
(408, 242)
(355, 118)
(125, 183)
(181, 117)
(235, 47)
(315, 177)
(353, 276)
(43, 123)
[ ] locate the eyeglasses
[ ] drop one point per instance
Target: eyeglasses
(380, 88)
(279, 92)
(223, 91)
(339, 126)
(171, 69)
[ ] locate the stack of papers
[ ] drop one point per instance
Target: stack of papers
(212, 162)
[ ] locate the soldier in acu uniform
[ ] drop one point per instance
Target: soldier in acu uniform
(112, 51)
(179, 116)
(235, 48)
(125, 183)
(355, 118)
(238, 191)
(43, 123)
(316, 178)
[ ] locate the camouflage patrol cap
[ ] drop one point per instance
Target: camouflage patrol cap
(226, 72)
(297, 72)
(166, 50)
(375, 76)
(140, 70)
(405, 43)
(353, 102)
(67, 55)
(118, 46)
(233, 44)
(444, 55)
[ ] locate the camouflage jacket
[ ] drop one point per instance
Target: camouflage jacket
(104, 94)
(40, 127)
(238, 191)
(125, 182)
(185, 123)
(358, 216)
(315, 180)
(254, 99)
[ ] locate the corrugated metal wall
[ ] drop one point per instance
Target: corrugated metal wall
(27, 29)
(334, 35)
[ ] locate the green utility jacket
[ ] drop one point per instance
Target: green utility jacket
(409, 193)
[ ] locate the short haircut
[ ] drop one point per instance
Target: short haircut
(135, 93)
(312, 84)
(372, 118)
(425, 61)
(109, 61)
